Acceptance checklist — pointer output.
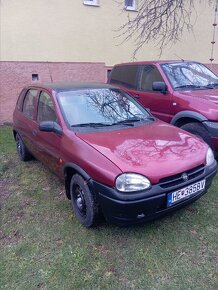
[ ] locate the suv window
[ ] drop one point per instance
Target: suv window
(189, 74)
(149, 75)
(29, 102)
(46, 110)
(125, 75)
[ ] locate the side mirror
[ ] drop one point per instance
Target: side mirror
(159, 87)
(50, 126)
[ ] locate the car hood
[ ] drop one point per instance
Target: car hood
(156, 150)
(209, 95)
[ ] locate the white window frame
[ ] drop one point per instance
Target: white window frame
(132, 8)
(91, 2)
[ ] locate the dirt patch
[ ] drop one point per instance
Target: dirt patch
(11, 238)
(4, 192)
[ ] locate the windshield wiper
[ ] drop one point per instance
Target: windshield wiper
(211, 85)
(125, 122)
(128, 122)
(91, 125)
(131, 121)
(189, 86)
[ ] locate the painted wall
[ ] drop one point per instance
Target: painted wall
(69, 31)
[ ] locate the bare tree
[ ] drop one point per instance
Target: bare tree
(162, 21)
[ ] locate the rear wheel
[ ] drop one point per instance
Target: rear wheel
(199, 130)
(22, 151)
(83, 203)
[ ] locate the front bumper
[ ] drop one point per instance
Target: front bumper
(139, 207)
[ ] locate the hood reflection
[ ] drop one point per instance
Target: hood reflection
(140, 152)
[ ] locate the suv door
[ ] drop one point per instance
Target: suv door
(159, 103)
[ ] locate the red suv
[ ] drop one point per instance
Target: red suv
(112, 154)
(183, 93)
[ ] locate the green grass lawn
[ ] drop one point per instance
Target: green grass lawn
(43, 246)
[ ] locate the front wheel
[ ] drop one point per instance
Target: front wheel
(83, 203)
(198, 130)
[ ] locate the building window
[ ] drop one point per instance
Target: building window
(130, 4)
(91, 2)
(35, 77)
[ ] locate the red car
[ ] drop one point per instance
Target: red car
(113, 155)
(183, 93)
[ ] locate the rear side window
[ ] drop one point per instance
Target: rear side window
(46, 110)
(29, 102)
(125, 76)
(20, 100)
(149, 75)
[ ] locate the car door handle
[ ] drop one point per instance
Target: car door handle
(34, 132)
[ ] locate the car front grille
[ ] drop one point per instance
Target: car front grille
(180, 178)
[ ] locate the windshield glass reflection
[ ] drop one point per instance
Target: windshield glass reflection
(99, 106)
(189, 74)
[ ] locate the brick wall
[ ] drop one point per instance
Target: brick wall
(15, 75)
(213, 67)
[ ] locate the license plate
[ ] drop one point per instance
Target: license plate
(185, 192)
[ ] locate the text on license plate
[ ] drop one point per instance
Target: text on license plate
(185, 192)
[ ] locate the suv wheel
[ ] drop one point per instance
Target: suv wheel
(82, 200)
(198, 130)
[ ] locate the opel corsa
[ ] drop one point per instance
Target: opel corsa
(113, 155)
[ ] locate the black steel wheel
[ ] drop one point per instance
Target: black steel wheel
(83, 203)
(22, 151)
(200, 131)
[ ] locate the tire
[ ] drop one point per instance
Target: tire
(83, 203)
(22, 151)
(200, 131)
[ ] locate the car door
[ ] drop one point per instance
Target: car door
(159, 103)
(25, 118)
(47, 143)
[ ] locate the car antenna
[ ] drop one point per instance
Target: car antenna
(49, 72)
(179, 57)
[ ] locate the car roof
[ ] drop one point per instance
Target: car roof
(70, 86)
(154, 62)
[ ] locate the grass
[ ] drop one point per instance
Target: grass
(43, 246)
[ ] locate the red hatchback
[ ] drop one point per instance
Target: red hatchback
(113, 155)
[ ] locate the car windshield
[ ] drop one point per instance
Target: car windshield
(100, 107)
(190, 75)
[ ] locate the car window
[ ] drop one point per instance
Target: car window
(46, 110)
(125, 75)
(98, 105)
(29, 103)
(149, 75)
(189, 74)
(20, 100)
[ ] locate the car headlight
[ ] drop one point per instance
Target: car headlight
(129, 182)
(210, 157)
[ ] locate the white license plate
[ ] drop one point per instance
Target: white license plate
(185, 192)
